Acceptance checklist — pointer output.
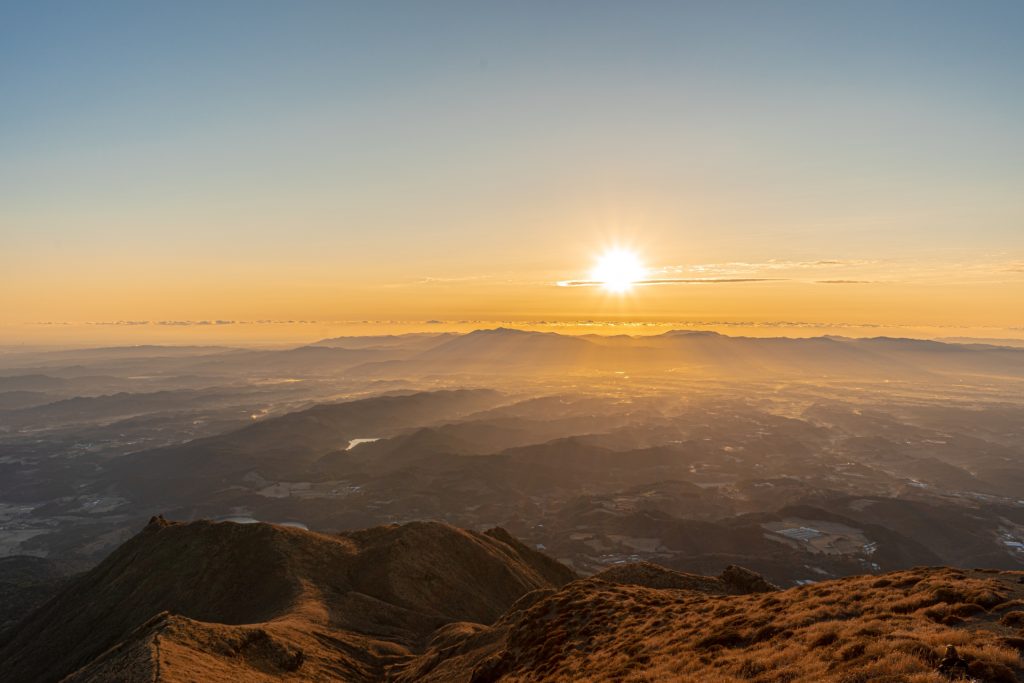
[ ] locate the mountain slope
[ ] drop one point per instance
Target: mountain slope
(27, 582)
(892, 629)
(285, 445)
(209, 602)
(259, 598)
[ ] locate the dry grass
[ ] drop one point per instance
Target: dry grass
(855, 630)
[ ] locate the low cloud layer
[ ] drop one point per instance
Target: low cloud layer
(671, 281)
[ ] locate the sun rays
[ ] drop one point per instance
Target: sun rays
(618, 270)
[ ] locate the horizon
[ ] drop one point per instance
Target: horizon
(287, 334)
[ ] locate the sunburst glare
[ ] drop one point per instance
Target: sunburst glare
(618, 270)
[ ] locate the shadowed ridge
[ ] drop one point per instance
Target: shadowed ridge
(733, 581)
(550, 569)
(224, 572)
(256, 601)
(137, 657)
(478, 575)
(743, 581)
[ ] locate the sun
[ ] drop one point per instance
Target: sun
(617, 270)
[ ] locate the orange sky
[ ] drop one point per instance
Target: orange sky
(792, 298)
(457, 162)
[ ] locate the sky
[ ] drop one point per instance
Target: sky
(828, 163)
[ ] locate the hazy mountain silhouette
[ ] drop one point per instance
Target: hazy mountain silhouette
(505, 351)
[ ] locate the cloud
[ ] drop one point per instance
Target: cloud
(190, 323)
(771, 265)
(427, 280)
(671, 281)
(844, 282)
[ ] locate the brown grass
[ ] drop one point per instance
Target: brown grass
(855, 630)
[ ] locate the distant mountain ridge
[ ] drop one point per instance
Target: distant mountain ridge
(502, 351)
